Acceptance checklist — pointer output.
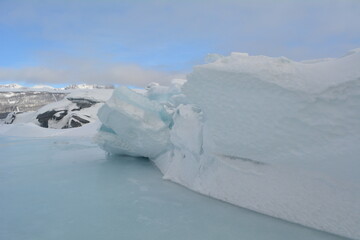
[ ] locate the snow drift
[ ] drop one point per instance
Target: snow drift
(269, 134)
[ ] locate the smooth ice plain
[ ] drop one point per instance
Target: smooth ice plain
(67, 188)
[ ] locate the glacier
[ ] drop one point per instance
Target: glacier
(273, 135)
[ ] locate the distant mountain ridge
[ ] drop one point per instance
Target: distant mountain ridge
(89, 86)
(11, 85)
(18, 87)
(17, 98)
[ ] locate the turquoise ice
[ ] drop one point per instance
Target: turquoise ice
(67, 188)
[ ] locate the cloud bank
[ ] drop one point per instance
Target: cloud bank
(123, 74)
(154, 38)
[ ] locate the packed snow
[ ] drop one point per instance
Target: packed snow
(269, 134)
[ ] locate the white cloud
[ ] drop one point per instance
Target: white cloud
(124, 74)
(259, 26)
(107, 30)
(31, 74)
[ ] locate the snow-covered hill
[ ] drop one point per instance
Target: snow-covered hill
(11, 86)
(79, 107)
(42, 87)
(89, 86)
(14, 97)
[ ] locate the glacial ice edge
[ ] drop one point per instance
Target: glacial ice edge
(269, 134)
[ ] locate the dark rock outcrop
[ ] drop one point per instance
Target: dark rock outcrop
(82, 102)
(73, 120)
(10, 118)
(44, 118)
(76, 121)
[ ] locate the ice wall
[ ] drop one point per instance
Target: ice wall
(285, 134)
(269, 134)
(272, 111)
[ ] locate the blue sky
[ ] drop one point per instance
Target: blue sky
(139, 41)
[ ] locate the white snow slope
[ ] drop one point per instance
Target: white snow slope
(269, 134)
(25, 121)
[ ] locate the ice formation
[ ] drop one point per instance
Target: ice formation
(269, 134)
(133, 125)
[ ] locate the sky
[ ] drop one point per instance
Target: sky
(134, 42)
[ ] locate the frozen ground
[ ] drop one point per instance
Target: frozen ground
(67, 188)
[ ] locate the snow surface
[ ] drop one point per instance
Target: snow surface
(30, 129)
(269, 134)
(64, 187)
(310, 76)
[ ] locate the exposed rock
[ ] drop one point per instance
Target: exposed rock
(60, 115)
(80, 119)
(76, 121)
(55, 116)
(44, 118)
(82, 102)
(10, 118)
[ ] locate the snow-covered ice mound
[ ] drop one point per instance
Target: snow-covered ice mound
(78, 108)
(269, 134)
